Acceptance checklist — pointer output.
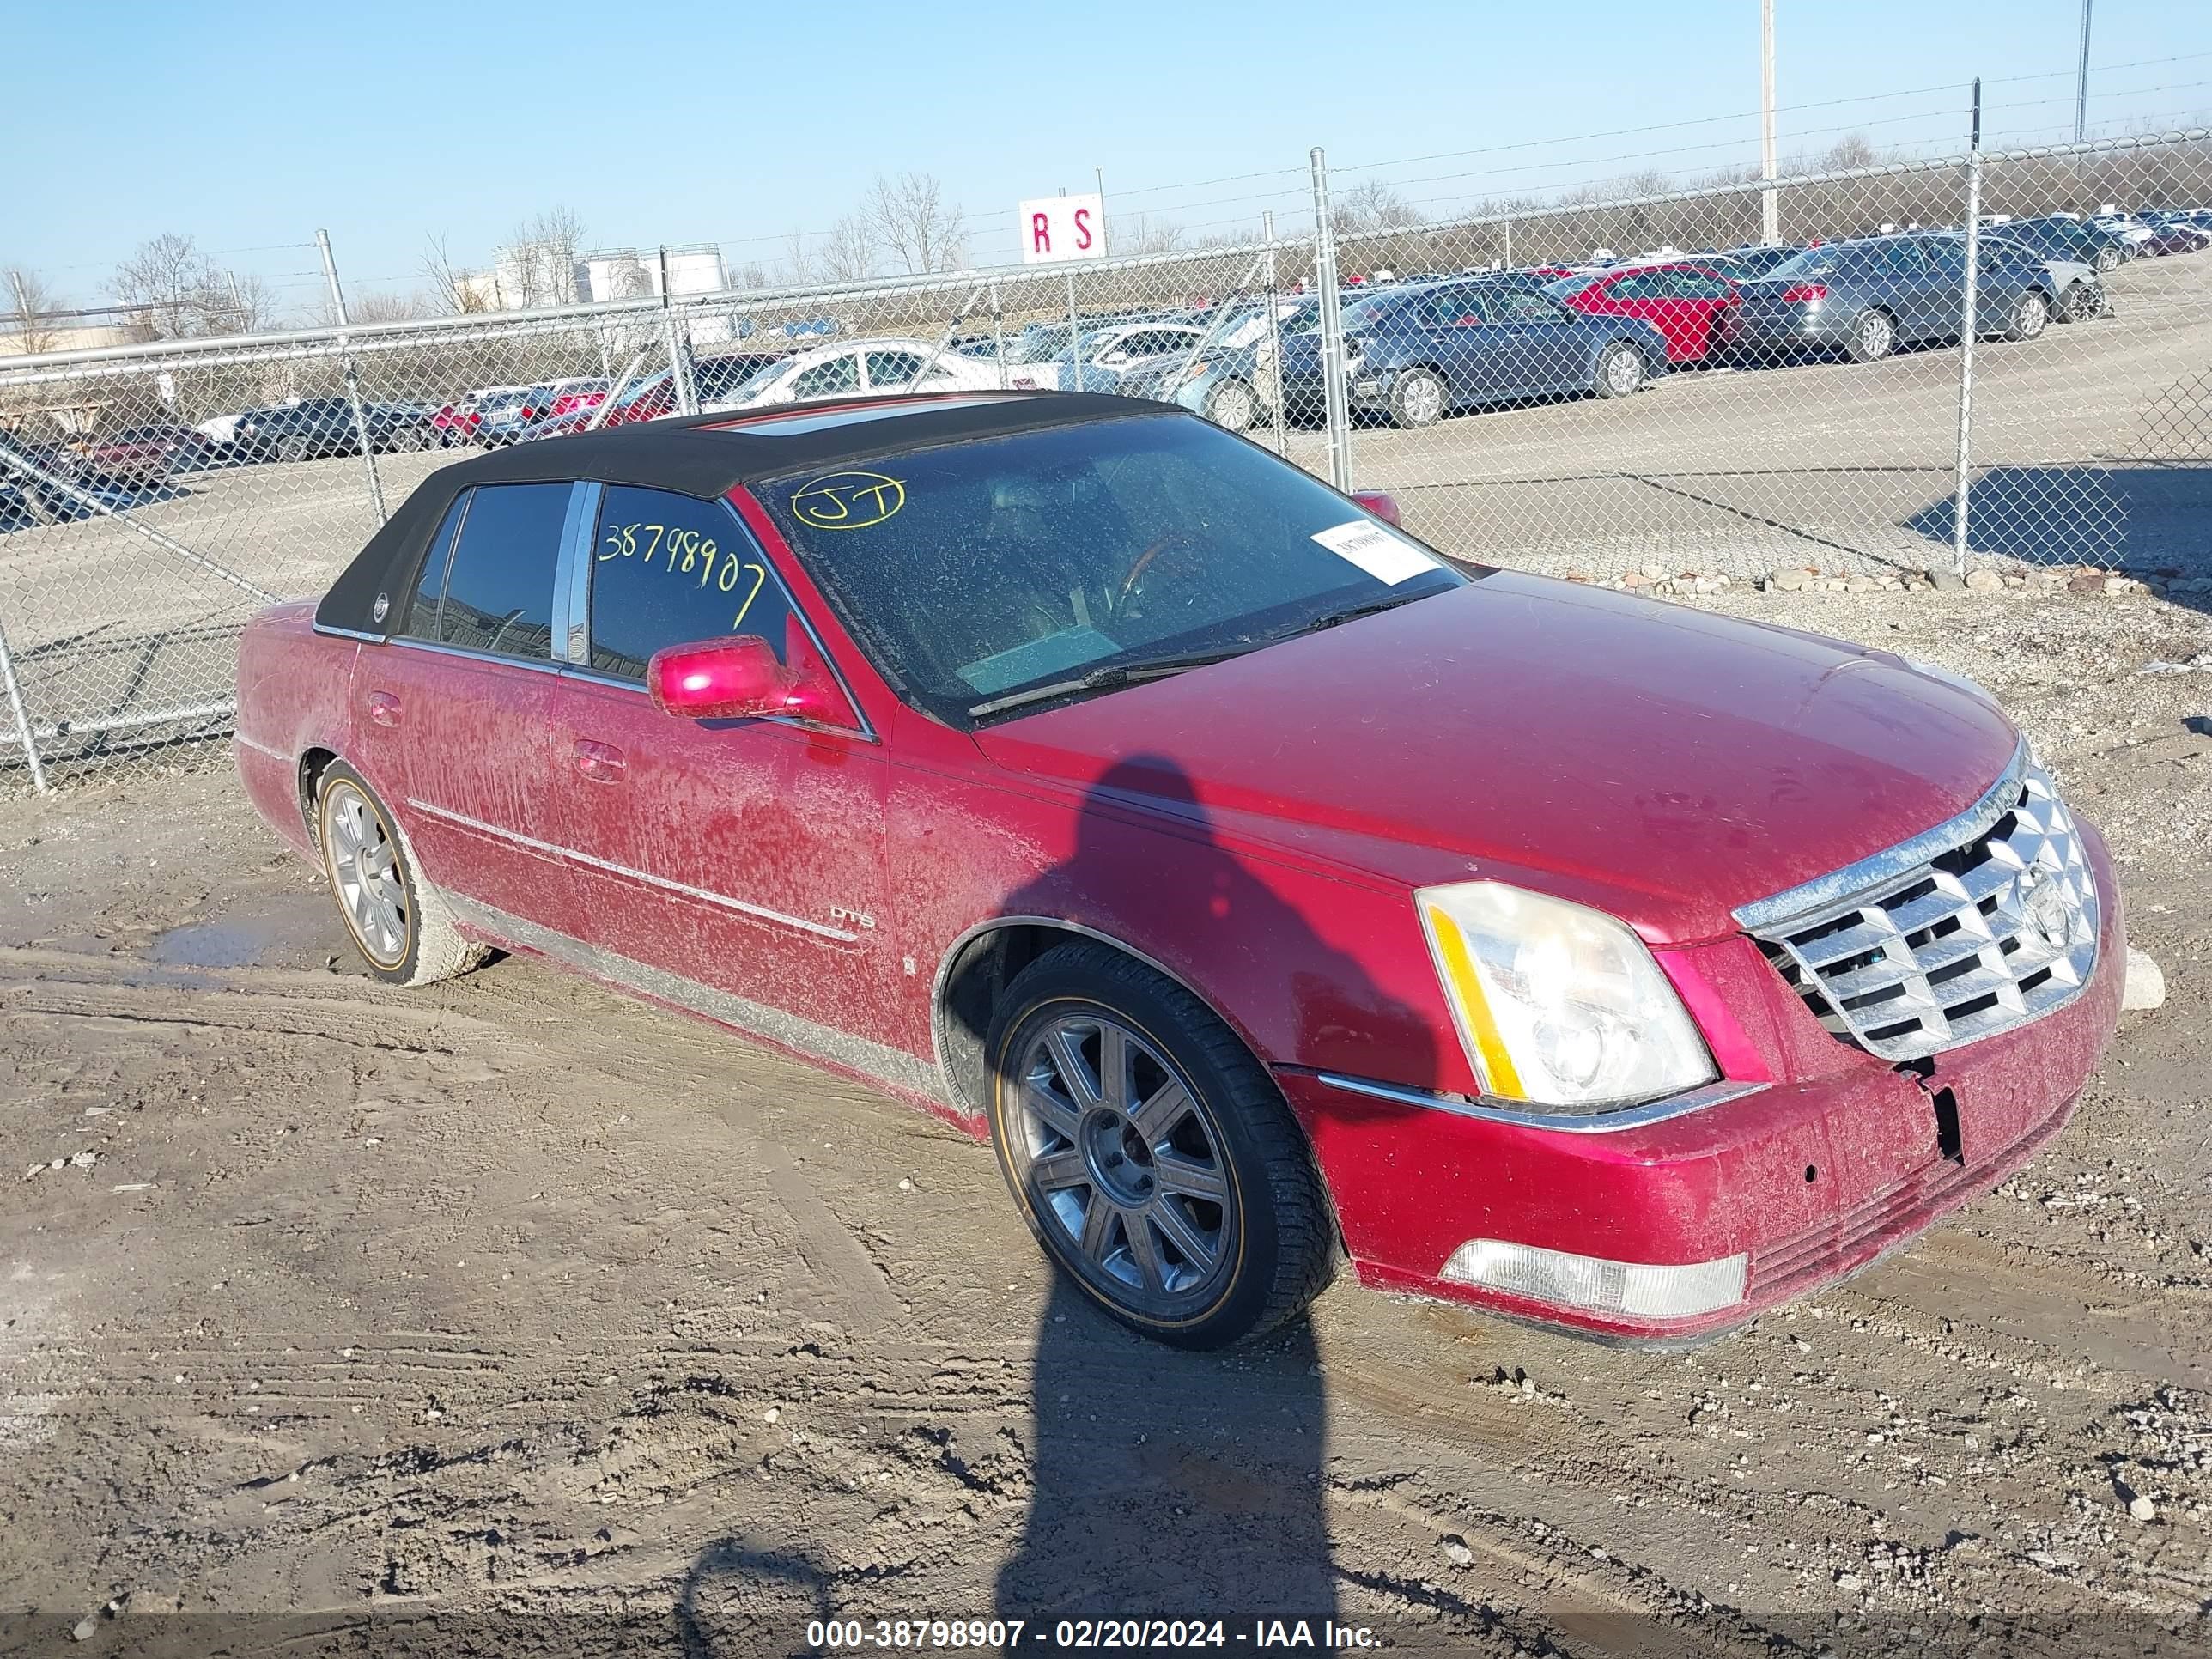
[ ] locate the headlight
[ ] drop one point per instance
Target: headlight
(1557, 1006)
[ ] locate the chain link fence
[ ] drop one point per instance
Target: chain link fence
(1750, 382)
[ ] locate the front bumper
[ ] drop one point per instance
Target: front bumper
(1812, 1180)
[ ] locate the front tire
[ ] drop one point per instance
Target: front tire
(2108, 260)
(1621, 371)
(1152, 1157)
(2031, 315)
(399, 922)
(292, 448)
(1418, 398)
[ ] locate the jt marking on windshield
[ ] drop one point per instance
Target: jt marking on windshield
(847, 500)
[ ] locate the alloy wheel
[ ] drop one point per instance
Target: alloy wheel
(1232, 407)
(1876, 335)
(1623, 370)
(1123, 1159)
(365, 869)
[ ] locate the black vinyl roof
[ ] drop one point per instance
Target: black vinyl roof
(701, 455)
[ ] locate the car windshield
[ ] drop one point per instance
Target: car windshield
(974, 572)
(1366, 313)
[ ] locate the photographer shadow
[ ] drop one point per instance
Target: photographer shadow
(1172, 1484)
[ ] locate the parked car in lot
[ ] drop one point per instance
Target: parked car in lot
(2077, 240)
(2080, 293)
(1232, 382)
(1420, 351)
(1755, 260)
(501, 417)
(142, 456)
(1732, 959)
(316, 427)
(1866, 297)
(1110, 356)
(881, 364)
(26, 500)
(1683, 301)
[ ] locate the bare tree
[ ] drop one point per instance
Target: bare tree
(798, 263)
(32, 325)
(1140, 233)
(163, 283)
(387, 307)
(1371, 206)
(848, 253)
(537, 264)
(910, 220)
(451, 290)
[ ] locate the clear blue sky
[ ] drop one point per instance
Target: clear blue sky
(251, 124)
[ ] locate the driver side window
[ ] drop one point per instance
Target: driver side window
(669, 569)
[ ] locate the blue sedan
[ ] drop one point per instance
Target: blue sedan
(1424, 350)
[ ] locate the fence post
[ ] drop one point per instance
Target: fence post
(679, 374)
(998, 336)
(353, 381)
(1969, 327)
(1275, 329)
(22, 716)
(1074, 340)
(1336, 402)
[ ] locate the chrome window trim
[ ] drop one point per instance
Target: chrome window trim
(571, 581)
(554, 850)
(1811, 902)
(1705, 1095)
(330, 632)
(469, 654)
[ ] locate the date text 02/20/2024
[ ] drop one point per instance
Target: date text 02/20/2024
(1072, 1634)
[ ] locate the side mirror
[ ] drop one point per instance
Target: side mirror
(1381, 504)
(740, 678)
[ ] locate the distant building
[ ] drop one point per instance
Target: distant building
(69, 331)
(629, 273)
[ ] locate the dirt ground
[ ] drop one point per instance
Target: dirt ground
(512, 1317)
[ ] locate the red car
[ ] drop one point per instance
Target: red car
(1682, 301)
(1259, 884)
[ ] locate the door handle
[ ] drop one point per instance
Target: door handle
(602, 763)
(383, 708)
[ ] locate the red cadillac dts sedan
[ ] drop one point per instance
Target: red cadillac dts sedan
(1264, 889)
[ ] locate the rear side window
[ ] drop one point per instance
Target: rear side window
(498, 589)
(421, 620)
(1644, 285)
(667, 569)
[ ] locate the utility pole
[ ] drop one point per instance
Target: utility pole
(2081, 81)
(1770, 207)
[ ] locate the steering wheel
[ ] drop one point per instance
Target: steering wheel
(1130, 587)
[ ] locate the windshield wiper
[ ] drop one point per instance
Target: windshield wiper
(1110, 677)
(1353, 613)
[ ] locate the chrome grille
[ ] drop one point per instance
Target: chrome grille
(1978, 926)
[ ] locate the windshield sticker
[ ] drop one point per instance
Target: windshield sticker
(847, 500)
(1387, 558)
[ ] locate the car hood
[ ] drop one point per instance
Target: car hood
(1656, 761)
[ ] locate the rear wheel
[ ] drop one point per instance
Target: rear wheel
(1873, 336)
(293, 447)
(1152, 1157)
(2108, 260)
(2083, 301)
(1231, 406)
(2031, 315)
(399, 922)
(1621, 371)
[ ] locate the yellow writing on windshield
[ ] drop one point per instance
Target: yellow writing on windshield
(847, 500)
